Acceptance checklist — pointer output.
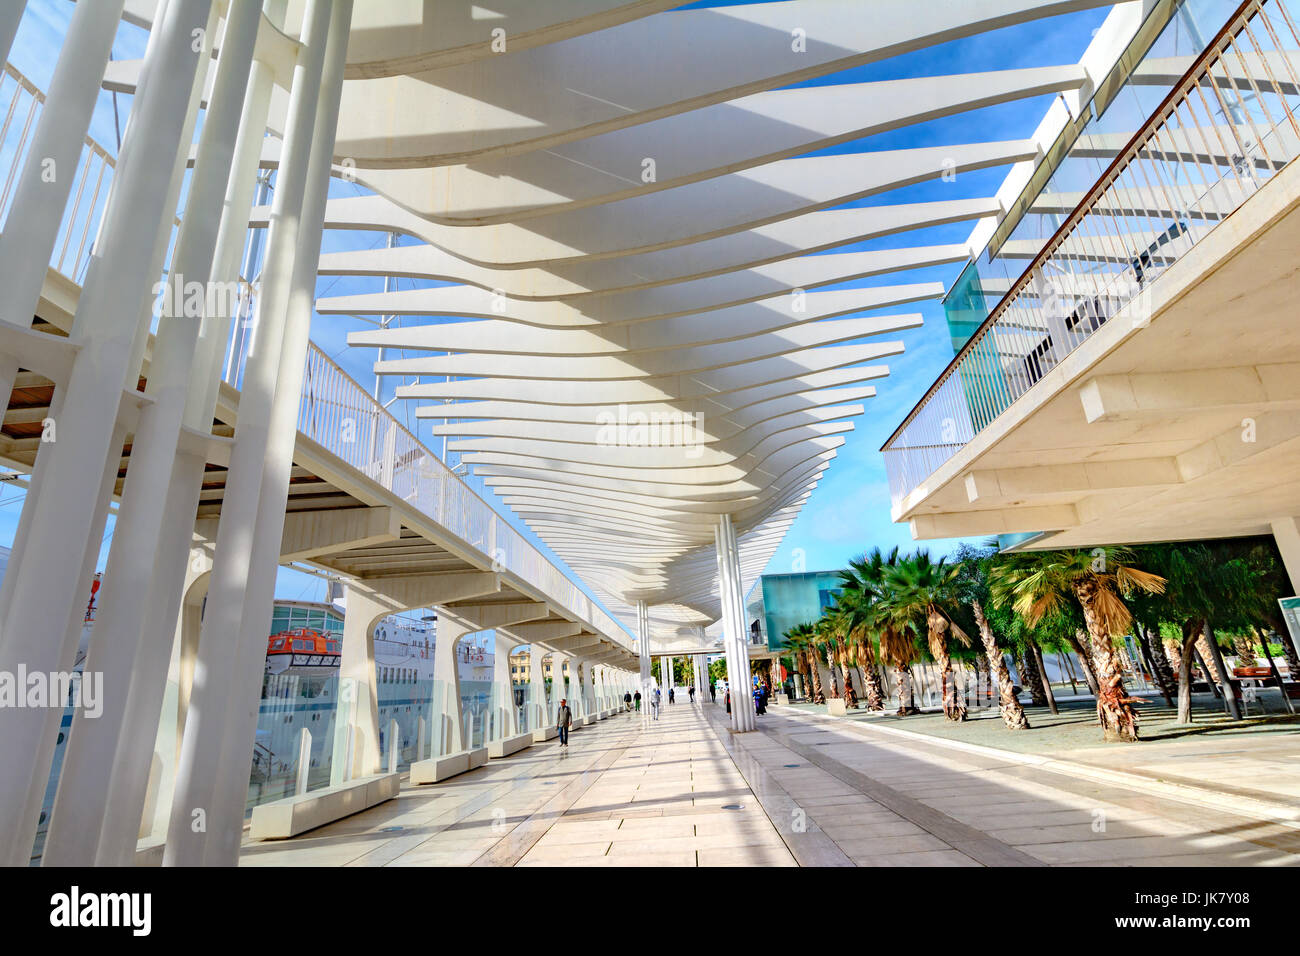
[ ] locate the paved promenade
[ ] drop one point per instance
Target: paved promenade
(802, 790)
(617, 797)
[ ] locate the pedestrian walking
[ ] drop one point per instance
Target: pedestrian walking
(713, 693)
(563, 720)
(672, 695)
(691, 692)
(637, 698)
(627, 700)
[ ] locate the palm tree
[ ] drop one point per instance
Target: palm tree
(1037, 583)
(861, 587)
(836, 628)
(799, 639)
(974, 577)
(923, 593)
(827, 631)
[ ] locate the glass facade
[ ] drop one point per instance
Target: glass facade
(793, 599)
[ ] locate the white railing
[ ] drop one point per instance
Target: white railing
(21, 104)
(336, 412)
(345, 419)
(1227, 126)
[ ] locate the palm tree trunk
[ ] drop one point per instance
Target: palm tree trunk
(953, 708)
(1119, 721)
(906, 699)
(1034, 679)
(850, 696)
(830, 666)
(1244, 645)
(818, 697)
(1085, 659)
(1042, 677)
(1013, 715)
(875, 698)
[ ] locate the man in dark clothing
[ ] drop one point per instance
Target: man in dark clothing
(713, 693)
(563, 720)
(627, 701)
(637, 698)
(691, 692)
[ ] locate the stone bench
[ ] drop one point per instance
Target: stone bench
(584, 720)
(281, 819)
(448, 765)
(543, 734)
(835, 706)
(509, 745)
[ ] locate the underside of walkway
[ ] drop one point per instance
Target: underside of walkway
(802, 790)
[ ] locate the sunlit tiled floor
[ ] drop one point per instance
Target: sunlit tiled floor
(800, 791)
(618, 796)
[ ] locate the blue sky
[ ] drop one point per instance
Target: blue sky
(850, 511)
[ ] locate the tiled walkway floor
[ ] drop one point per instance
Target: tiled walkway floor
(863, 797)
(617, 797)
(803, 790)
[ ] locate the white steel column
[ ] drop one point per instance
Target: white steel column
(280, 440)
(742, 702)
(643, 644)
(108, 318)
(118, 651)
(198, 775)
(173, 555)
(10, 15)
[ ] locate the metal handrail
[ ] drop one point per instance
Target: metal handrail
(993, 384)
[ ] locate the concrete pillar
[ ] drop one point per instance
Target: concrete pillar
(558, 690)
(537, 688)
(449, 711)
(358, 700)
(505, 720)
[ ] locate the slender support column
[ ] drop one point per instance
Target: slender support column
(109, 311)
(200, 784)
(280, 441)
(643, 643)
(742, 703)
(10, 15)
(115, 744)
